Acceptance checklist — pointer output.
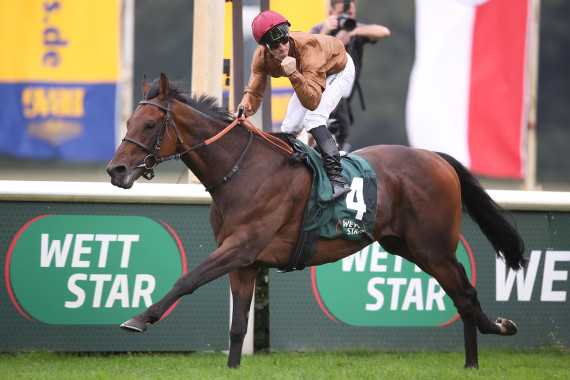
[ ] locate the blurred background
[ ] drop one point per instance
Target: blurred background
(163, 42)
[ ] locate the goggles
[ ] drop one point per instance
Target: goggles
(275, 44)
(276, 36)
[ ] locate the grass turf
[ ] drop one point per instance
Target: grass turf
(494, 364)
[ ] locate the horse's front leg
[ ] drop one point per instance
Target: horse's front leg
(228, 257)
(242, 282)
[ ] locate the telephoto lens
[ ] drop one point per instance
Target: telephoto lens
(345, 22)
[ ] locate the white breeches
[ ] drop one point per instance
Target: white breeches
(338, 86)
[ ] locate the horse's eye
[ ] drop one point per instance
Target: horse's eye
(150, 125)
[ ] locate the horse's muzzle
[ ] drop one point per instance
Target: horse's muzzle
(121, 177)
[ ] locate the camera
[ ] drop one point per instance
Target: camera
(345, 22)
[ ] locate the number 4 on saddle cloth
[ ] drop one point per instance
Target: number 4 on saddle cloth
(351, 217)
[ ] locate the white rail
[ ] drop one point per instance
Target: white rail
(196, 194)
(532, 200)
(103, 192)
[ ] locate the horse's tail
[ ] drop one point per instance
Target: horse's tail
(489, 216)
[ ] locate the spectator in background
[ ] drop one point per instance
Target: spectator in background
(342, 24)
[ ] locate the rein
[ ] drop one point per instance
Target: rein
(151, 161)
(249, 126)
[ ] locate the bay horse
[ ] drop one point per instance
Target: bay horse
(259, 199)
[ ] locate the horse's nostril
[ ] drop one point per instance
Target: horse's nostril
(117, 171)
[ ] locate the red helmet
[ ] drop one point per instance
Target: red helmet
(264, 22)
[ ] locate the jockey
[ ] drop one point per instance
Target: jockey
(321, 73)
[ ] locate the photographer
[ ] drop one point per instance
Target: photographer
(342, 24)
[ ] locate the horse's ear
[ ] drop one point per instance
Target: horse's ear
(145, 86)
(163, 86)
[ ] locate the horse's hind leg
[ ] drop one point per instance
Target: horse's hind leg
(452, 278)
(485, 325)
(242, 282)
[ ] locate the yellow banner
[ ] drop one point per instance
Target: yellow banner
(227, 95)
(60, 40)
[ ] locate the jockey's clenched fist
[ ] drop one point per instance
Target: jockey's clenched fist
(289, 65)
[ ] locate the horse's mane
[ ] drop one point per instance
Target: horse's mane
(204, 103)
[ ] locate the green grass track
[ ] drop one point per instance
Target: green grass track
(494, 364)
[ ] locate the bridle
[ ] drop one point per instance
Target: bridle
(151, 160)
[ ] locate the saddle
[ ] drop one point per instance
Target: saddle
(351, 217)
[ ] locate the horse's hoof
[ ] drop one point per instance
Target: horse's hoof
(134, 325)
(507, 327)
(473, 365)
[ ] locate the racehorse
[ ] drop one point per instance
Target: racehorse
(259, 198)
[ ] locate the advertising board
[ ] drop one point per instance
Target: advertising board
(74, 271)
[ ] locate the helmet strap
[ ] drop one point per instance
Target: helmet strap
(276, 57)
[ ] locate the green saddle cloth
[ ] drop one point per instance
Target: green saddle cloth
(352, 216)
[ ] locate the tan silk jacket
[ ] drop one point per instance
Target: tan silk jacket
(317, 56)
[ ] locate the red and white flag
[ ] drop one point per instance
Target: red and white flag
(468, 93)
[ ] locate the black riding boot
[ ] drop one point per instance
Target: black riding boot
(331, 160)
